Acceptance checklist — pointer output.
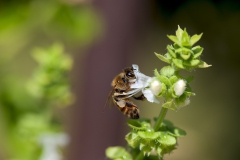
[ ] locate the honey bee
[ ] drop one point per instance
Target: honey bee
(121, 85)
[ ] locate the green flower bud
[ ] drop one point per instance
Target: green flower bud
(182, 54)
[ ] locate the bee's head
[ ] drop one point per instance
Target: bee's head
(129, 73)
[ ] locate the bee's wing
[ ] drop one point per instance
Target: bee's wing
(109, 99)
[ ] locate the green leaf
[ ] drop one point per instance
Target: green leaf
(185, 56)
(146, 149)
(188, 94)
(185, 40)
(162, 58)
(195, 38)
(170, 105)
(178, 63)
(203, 64)
(179, 33)
(159, 151)
(133, 139)
(137, 125)
(192, 63)
(174, 39)
(166, 139)
(164, 89)
(177, 132)
(156, 73)
(197, 51)
(173, 79)
(171, 51)
(118, 153)
(164, 80)
(151, 135)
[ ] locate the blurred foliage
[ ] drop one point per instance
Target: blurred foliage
(28, 104)
(28, 107)
(50, 81)
(43, 22)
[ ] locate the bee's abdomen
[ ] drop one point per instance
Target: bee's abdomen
(133, 111)
(127, 107)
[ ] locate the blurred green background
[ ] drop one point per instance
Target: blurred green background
(59, 53)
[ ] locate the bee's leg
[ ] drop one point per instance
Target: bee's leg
(141, 97)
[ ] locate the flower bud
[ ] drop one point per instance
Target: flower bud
(156, 87)
(180, 87)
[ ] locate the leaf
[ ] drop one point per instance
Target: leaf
(151, 135)
(133, 139)
(177, 132)
(118, 153)
(166, 139)
(179, 32)
(156, 73)
(170, 105)
(164, 80)
(185, 40)
(162, 58)
(178, 63)
(203, 64)
(171, 51)
(137, 125)
(173, 79)
(195, 38)
(197, 51)
(174, 39)
(185, 56)
(192, 63)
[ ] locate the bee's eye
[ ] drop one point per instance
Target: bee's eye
(129, 74)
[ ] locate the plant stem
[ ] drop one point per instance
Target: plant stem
(160, 118)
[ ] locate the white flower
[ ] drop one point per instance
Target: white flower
(156, 87)
(141, 84)
(180, 87)
(50, 144)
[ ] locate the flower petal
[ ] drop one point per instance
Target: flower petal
(149, 95)
(142, 80)
(180, 87)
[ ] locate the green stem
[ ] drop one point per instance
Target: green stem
(160, 118)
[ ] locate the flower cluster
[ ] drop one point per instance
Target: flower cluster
(182, 54)
(164, 84)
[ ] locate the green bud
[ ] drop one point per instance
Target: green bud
(167, 71)
(182, 54)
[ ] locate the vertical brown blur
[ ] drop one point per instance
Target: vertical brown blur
(93, 131)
